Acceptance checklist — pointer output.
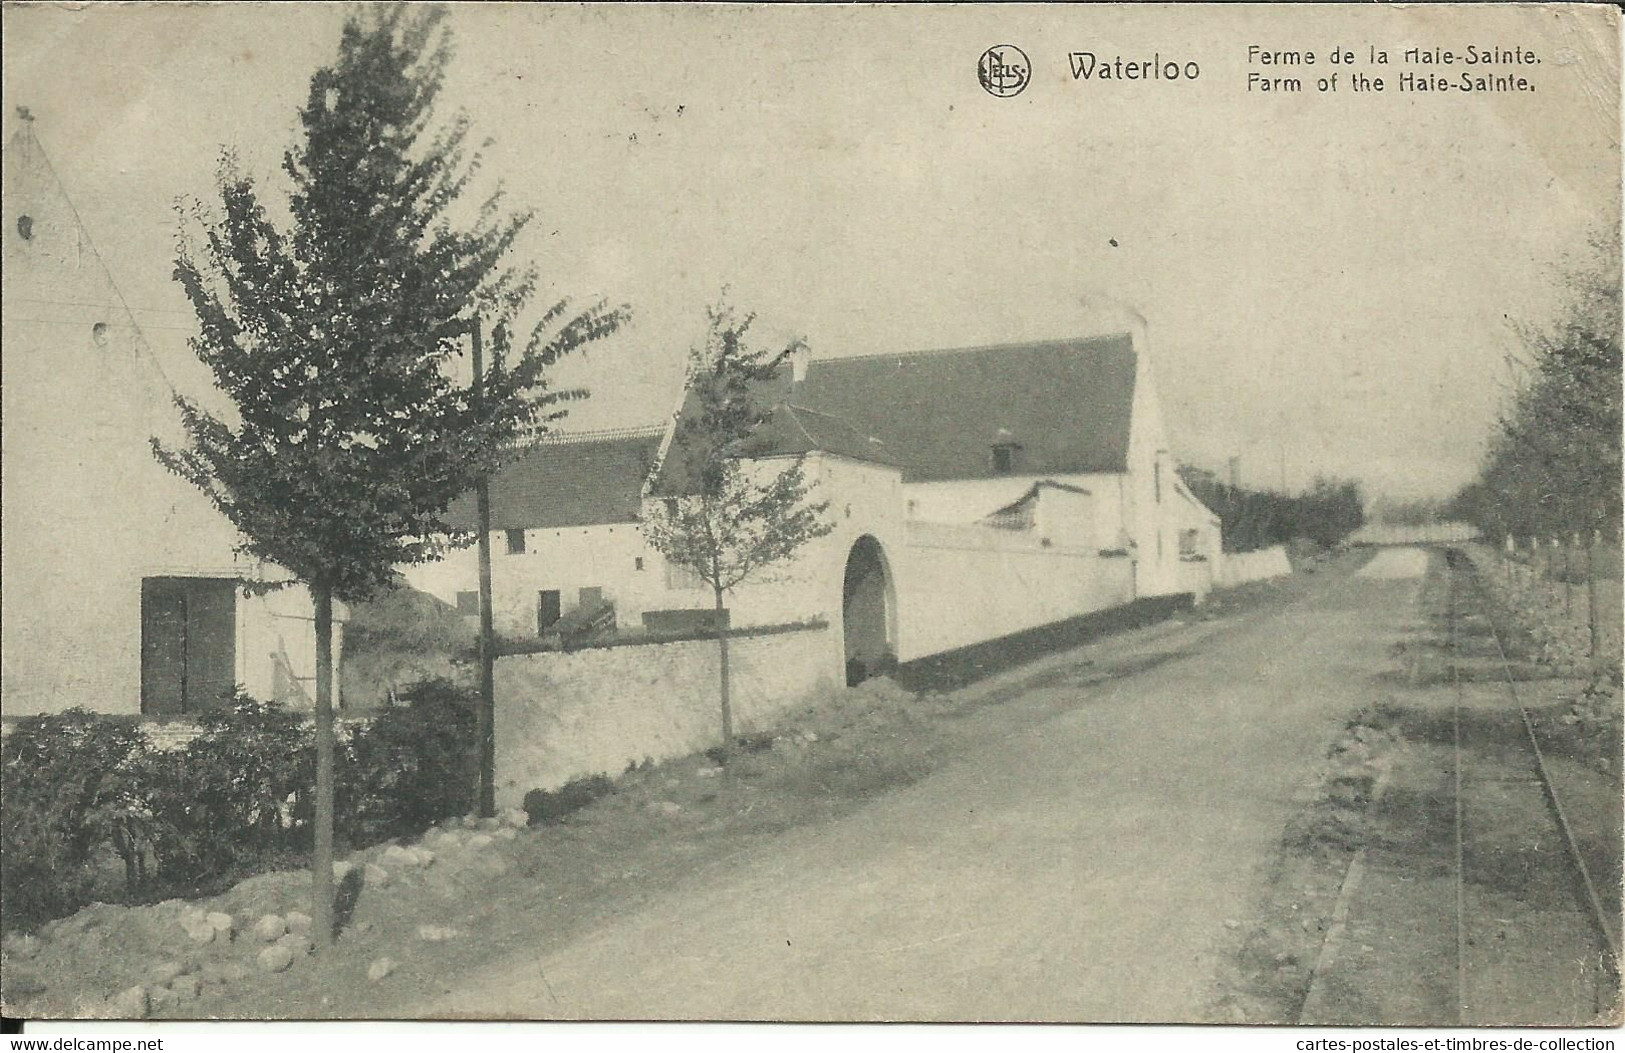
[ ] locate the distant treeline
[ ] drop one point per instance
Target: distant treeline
(1328, 512)
(1552, 468)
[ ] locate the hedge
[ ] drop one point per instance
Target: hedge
(82, 791)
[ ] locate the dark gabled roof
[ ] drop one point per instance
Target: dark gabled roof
(579, 480)
(796, 429)
(788, 430)
(939, 413)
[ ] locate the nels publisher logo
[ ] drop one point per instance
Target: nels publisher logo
(1004, 70)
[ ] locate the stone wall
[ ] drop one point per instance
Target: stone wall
(562, 715)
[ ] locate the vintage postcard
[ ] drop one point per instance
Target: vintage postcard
(803, 513)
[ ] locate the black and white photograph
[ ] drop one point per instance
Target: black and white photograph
(812, 513)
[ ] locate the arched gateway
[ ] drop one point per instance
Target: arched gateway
(868, 612)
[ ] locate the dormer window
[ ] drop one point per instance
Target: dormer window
(1006, 453)
(1006, 458)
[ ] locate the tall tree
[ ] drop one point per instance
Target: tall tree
(1553, 466)
(731, 515)
(332, 333)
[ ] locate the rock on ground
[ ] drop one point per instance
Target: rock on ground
(129, 1004)
(270, 927)
(198, 929)
(275, 958)
(401, 856)
(185, 988)
(298, 923)
(436, 933)
(164, 972)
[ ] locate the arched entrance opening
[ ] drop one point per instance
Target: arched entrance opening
(868, 604)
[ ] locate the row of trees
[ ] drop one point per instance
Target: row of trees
(1327, 512)
(333, 331)
(1552, 468)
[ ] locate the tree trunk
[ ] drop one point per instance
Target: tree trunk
(321, 863)
(722, 654)
(485, 718)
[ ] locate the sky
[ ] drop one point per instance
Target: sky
(1329, 280)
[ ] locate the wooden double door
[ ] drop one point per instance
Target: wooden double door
(188, 644)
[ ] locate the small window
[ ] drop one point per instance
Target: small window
(98, 334)
(516, 542)
(1156, 479)
(637, 563)
(547, 610)
(25, 227)
(468, 603)
(1188, 542)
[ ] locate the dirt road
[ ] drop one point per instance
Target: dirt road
(1083, 868)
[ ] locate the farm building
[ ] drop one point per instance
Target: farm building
(123, 592)
(974, 492)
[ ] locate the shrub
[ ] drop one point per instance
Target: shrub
(237, 791)
(64, 788)
(235, 799)
(553, 805)
(413, 765)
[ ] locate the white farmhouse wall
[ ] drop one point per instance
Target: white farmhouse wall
(969, 500)
(562, 715)
(568, 560)
(88, 513)
(865, 500)
(1155, 510)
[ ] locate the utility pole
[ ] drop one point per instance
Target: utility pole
(485, 717)
(1283, 439)
(1592, 538)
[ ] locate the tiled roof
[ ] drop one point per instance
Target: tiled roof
(797, 429)
(789, 429)
(939, 413)
(570, 481)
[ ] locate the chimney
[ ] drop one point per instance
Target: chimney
(798, 362)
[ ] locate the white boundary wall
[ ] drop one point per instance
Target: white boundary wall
(562, 715)
(1238, 568)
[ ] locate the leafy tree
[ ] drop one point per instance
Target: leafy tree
(731, 515)
(1328, 512)
(1553, 466)
(332, 332)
